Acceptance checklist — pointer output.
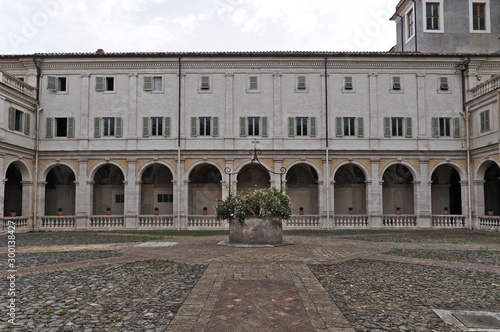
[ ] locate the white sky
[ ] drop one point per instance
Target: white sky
(47, 26)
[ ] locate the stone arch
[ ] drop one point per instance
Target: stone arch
(253, 176)
(60, 189)
(16, 195)
(446, 188)
(350, 188)
(302, 187)
(398, 188)
(491, 188)
(205, 188)
(146, 165)
(157, 189)
(23, 168)
(108, 188)
(362, 166)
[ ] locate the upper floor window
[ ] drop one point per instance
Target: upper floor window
(396, 83)
(479, 16)
(253, 126)
(485, 121)
(301, 83)
(301, 126)
(432, 16)
(155, 126)
(446, 127)
(57, 84)
(410, 25)
(205, 83)
(348, 83)
(349, 126)
(19, 121)
(60, 127)
(153, 83)
(397, 127)
(105, 84)
(443, 84)
(108, 127)
(253, 83)
(205, 126)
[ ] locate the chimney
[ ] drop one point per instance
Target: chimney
(100, 51)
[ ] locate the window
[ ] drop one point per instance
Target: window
(301, 126)
(253, 126)
(253, 84)
(57, 84)
(60, 127)
(397, 127)
(105, 84)
(165, 198)
(153, 83)
(120, 198)
(442, 127)
(301, 83)
(479, 16)
(396, 83)
(19, 121)
(485, 121)
(349, 126)
(443, 84)
(109, 127)
(348, 85)
(410, 25)
(205, 83)
(432, 16)
(205, 126)
(155, 126)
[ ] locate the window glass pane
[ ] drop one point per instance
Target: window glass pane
(109, 127)
(61, 84)
(110, 84)
(19, 121)
(157, 84)
(253, 126)
(61, 127)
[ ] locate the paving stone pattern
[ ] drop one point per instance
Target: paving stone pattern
(363, 281)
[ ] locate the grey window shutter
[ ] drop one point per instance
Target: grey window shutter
(487, 120)
(253, 83)
(387, 127)
(148, 83)
(243, 126)
(361, 129)
(51, 83)
(97, 127)
(118, 127)
(408, 127)
(482, 118)
(339, 128)
(312, 129)
(99, 83)
(12, 118)
(435, 127)
(145, 126)
(291, 126)
(71, 127)
(215, 126)
(48, 127)
(194, 121)
(166, 126)
(205, 82)
(264, 126)
(456, 127)
(27, 122)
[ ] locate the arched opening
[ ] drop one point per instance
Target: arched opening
(205, 189)
(446, 190)
(253, 177)
(350, 190)
(302, 188)
(492, 190)
(157, 190)
(108, 190)
(397, 190)
(13, 199)
(60, 191)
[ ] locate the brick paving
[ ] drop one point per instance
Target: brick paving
(258, 289)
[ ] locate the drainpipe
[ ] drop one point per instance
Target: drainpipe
(327, 147)
(402, 32)
(179, 151)
(37, 137)
(464, 66)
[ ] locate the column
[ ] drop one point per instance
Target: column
(181, 197)
(229, 113)
(373, 119)
(131, 117)
(278, 164)
(422, 196)
(225, 181)
(465, 199)
(84, 195)
(375, 197)
(421, 123)
(131, 196)
(40, 209)
(277, 116)
(478, 209)
(84, 117)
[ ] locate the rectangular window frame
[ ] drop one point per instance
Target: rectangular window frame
(253, 84)
(410, 24)
(205, 84)
(348, 84)
(484, 121)
(444, 84)
(57, 84)
(301, 83)
(157, 126)
(396, 84)
(487, 19)
(439, 17)
(397, 126)
(103, 84)
(247, 126)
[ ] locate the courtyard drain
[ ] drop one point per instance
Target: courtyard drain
(156, 244)
(471, 320)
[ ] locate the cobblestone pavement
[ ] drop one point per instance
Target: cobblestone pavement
(326, 281)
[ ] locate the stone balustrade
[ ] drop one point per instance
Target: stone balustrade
(17, 84)
(486, 87)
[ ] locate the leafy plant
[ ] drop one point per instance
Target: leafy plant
(260, 203)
